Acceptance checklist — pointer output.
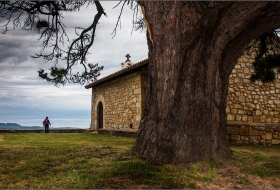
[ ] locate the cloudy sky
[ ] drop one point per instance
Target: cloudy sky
(27, 100)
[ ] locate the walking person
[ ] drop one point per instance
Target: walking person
(46, 124)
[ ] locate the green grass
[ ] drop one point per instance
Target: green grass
(258, 160)
(62, 139)
(90, 160)
(76, 160)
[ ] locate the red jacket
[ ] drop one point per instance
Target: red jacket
(46, 121)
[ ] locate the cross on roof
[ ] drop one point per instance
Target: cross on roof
(127, 57)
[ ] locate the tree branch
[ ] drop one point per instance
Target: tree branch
(52, 32)
(266, 21)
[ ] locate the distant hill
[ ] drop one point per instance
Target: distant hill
(15, 126)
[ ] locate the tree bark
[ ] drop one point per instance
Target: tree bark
(193, 47)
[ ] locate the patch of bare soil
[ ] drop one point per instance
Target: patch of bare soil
(225, 176)
(230, 177)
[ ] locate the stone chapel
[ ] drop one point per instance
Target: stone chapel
(253, 109)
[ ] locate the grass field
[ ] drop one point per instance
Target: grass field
(90, 160)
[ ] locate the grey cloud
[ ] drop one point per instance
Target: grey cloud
(16, 48)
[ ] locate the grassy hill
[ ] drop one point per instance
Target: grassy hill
(15, 126)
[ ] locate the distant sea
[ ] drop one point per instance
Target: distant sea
(56, 123)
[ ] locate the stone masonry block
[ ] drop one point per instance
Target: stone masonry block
(275, 142)
(268, 129)
(242, 99)
(274, 136)
(241, 112)
(260, 128)
(232, 130)
(233, 111)
(234, 137)
(263, 119)
(137, 91)
(275, 120)
(276, 129)
(244, 118)
(230, 117)
(256, 119)
(268, 135)
(253, 133)
(258, 112)
(238, 118)
(138, 104)
(250, 119)
(243, 130)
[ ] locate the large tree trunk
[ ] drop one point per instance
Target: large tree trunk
(193, 47)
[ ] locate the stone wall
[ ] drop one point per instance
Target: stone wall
(122, 101)
(253, 133)
(252, 102)
(252, 108)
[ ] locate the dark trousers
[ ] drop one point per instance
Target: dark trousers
(46, 128)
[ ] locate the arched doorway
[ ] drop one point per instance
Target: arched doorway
(100, 115)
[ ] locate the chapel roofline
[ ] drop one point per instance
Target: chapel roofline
(129, 69)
